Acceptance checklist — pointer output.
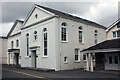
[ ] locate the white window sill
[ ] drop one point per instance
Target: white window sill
(81, 43)
(44, 56)
(27, 57)
(77, 61)
(65, 62)
(84, 61)
(64, 41)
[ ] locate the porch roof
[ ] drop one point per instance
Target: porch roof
(106, 46)
(13, 50)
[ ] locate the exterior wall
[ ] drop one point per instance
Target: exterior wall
(68, 48)
(110, 32)
(3, 50)
(41, 15)
(11, 57)
(17, 28)
(112, 66)
(48, 62)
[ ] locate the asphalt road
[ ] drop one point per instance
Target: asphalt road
(9, 72)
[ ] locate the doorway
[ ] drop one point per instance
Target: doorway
(33, 59)
(100, 61)
(16, 59)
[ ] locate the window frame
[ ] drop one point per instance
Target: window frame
(80, 33)
(96, 37)
(116, 34)
(45, 36)
(12, 44)
(84, 57)
(64, 32)
(35, 36)
(17, 43)
(65, 59)
(78, 55)
(27, 44)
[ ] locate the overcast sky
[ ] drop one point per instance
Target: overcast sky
(104, 13)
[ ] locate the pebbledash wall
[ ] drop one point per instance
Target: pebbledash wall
(3, 50)
(57, 49)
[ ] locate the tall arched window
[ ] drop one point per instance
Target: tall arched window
(35, 35)
(96, 36)
(17, 43)
(12, 44)
(45, 41)
(64, 32)
(80, 29)
(27, 43)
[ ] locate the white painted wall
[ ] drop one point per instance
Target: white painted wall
(41, 15)
(10, 39)
(17, 28)
(112, 66)
(68, 48)
(43, 62)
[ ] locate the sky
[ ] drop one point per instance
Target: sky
(104, 13)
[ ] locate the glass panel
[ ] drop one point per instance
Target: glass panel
(45, 44)
(95, 38)
(76, 54)
(110, 59)
(76, 57)
(114, 34)
(84, 57)
(63, 34)
(116, 59)
(118, 33)
(45, 52)
(80, 36)
(118, 25)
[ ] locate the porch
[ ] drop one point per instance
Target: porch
(107, 56)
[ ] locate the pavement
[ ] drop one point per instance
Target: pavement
(16, 73)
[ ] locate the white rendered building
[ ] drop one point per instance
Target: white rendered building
(52, 39)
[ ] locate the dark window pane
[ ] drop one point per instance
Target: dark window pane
(95, 35)
(84, 57)
(80, 36)
(118, 25)
(45, 44)
(45, 52)
(65, 58)
(110, 59)
(114, 34)
(118, 33)
(76, 57)
(116, 59)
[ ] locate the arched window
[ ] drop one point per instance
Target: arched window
(27, 43)
(17, 43)
(80, 29)
(64, 33)
(12, 44)
(96, 36)
(35, 35)
(45, 41)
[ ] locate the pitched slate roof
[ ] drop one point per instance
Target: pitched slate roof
(108, 44)
(71, 17)
(14, 27)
